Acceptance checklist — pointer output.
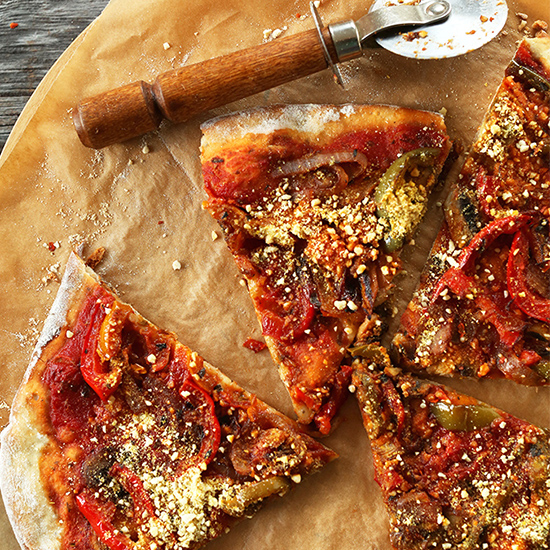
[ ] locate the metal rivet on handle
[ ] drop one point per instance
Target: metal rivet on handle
(438, 8)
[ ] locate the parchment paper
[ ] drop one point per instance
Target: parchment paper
(145, 208)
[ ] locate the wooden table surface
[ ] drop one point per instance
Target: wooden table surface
(27, 51)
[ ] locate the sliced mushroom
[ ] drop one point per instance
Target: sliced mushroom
(96, 467)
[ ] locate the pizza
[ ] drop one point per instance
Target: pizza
(315, 203)
(455, 473)
(482, 309)
(120, 437)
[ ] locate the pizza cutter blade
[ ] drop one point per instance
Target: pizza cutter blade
(440, 28)
(469, 25)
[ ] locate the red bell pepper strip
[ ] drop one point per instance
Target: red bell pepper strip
(272, 324)
(453, 277)
(530, 303)
(529, 357)
(482, 239)
(301, 396)
(96, 373)
(508, 326)
(456, 281)
(159, 344)
(143, 505)
(204, 405)
(285, 326)
(395, 403)
(98, 517)
(303, 317)
(178, 366)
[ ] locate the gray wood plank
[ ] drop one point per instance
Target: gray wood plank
(45, 29)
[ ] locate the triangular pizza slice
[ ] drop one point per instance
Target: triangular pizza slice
(455, 473)
(315, 203)
(121, 437)
(482, 309)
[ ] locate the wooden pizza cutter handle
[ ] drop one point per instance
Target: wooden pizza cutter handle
(177, 95)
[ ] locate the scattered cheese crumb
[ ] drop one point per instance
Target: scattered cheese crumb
(176, 265)
(522, 146)
(270, 34)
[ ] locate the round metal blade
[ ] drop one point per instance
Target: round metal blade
(471, 24)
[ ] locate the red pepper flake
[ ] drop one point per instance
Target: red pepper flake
(51, 247)
(160, 222)
(255, 345)
(14, 25)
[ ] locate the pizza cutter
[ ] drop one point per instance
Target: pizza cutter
(425, 29)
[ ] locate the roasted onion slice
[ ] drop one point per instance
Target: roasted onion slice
(353, 162)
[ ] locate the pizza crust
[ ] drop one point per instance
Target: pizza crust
(26, 503)
(315, 122)
(25, 438)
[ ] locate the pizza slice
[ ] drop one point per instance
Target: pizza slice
(455, 473)
(483, 305)
(315, 203)
(120, 437)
